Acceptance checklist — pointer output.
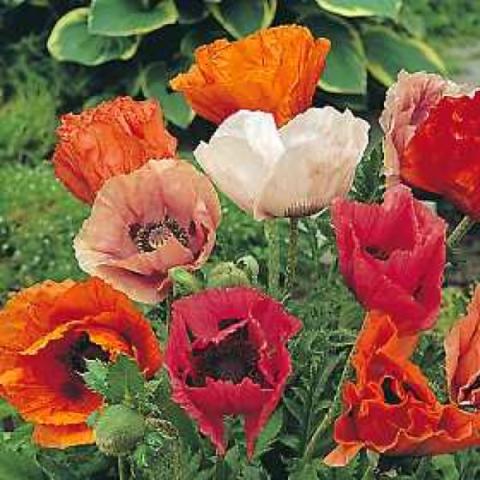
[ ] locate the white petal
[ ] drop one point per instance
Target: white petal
(241, 154)
(324, 147)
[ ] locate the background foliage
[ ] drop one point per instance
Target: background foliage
(104, 48)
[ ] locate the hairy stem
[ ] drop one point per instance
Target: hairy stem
(122, 468)
(292, 255)
(460, 231)
(273, 243)
(332, 412)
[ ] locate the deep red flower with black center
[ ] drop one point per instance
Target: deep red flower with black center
(444, 154)
(392, 256)
(227, 355)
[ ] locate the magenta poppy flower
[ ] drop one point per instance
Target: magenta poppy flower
(227, 355)
(392, 256)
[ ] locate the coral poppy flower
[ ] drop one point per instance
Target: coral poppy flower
(391, 409)
(462, 348)
(274, 70)
(163, 215)
(392, 256)
(115, 137)
(226, 355)
(47, 332)
(444, 155)
(407, 104)
(289, 172)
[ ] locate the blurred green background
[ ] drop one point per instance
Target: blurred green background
(64, 55)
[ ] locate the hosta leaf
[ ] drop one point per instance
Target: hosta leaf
(191, 11)
(174, 107)
(362, 8)
(71, 41)
(388, 53)
(242, 18)
(127, 17)
(346, 69)
(197, 37)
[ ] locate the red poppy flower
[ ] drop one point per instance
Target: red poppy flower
(462, 349)
(226, 355)
(46, 334)
(391, 409)
(115, 137)
(275, 70)
(444, 154)
(392, 256)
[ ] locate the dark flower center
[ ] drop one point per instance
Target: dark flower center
(377, 253)
(389, 394)
(153, 235)
(233, 359)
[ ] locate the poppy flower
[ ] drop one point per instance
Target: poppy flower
(443, 156)
(407, 104)
(391, 409)
(47, 332)
(115, 137)
(275, 70)
(289, 172)
(226, 355)
(163, 215)
(462, 348)
(392, 256)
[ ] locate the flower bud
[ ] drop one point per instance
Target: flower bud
(227, 274)
(118, 430)
(184, 282)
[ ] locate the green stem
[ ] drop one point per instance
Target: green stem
(273, 242)
(460, 231)
(122, 468)
(168, 306)
(292, 255)
(332, 412)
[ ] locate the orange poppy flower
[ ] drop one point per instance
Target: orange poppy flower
(391, 408)
(462, 348)
(115, 137)
(274, 70)
(46, 334)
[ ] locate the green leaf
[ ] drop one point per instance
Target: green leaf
(388, 53)
(175, 108)
(128, 17)
(191, 11)
(362, 8)
(269, 434)
(96, 376)
(445, 465)
(70, 41)
(125, 382)
(239, 20)
(346, 69)
(15, 466)
(6, 410)
(197, 37)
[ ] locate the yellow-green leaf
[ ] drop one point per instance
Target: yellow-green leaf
(362, 8)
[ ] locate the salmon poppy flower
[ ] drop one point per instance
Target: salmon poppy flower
(391, 409)
(163, 215)
(462, 348)
(47, 332)
(275, 70)
(407, 104)
(294, 171)
(392, 256)
(115, 137)
(226, 355)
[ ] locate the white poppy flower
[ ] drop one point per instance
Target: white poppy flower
(293, 171)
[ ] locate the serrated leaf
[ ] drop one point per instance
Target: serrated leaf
(362, 8)
(124, 380)
(174, 106)
(96, 376)
(389, 52)
(269, 434)
(346, 68)
(120, 18)
(240, 19)
(15, 466)
(70, 41)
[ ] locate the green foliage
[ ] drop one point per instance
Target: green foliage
(38, 220)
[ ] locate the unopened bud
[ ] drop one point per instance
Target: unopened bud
(227, 274)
